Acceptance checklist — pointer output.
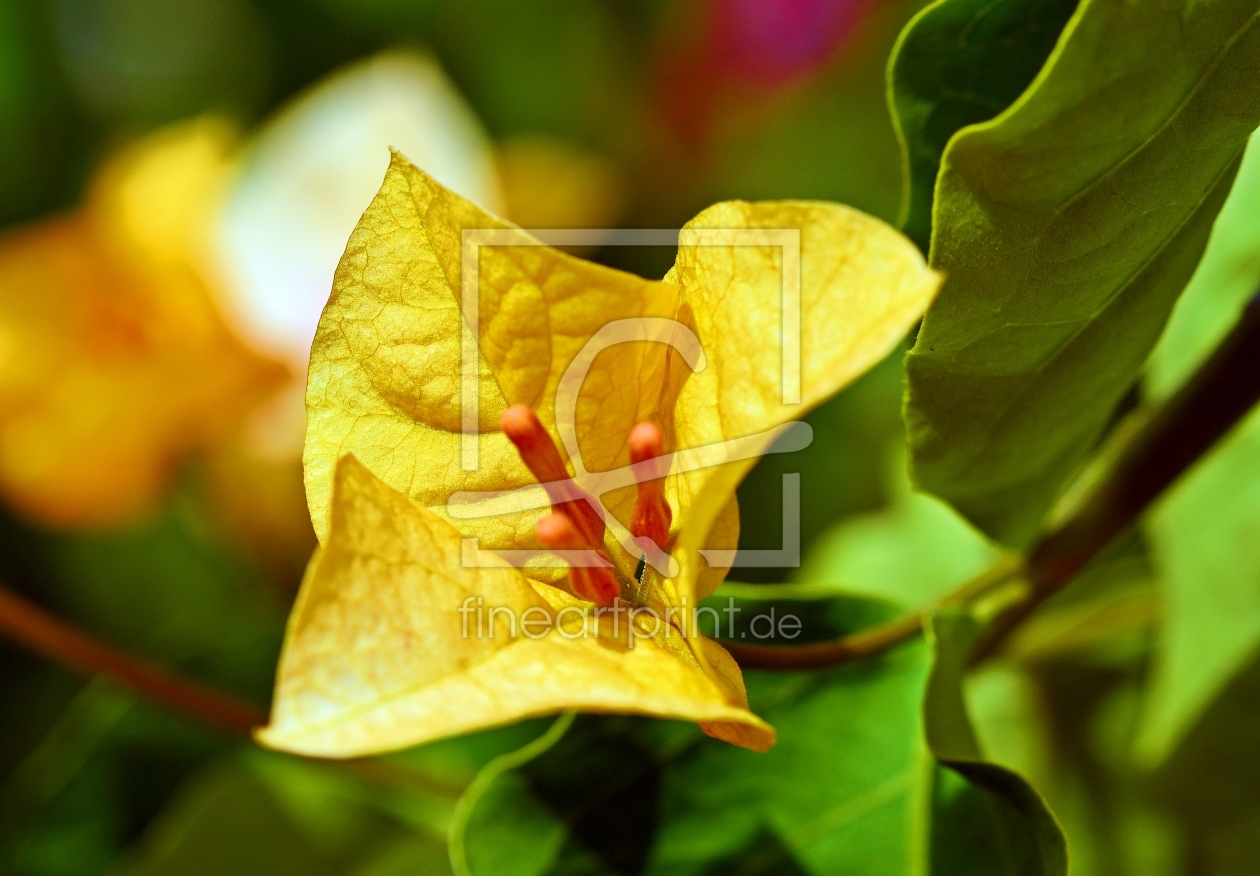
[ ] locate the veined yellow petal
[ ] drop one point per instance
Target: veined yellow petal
(385, 366)
(862, 286)
(300, 188)
(379, 656)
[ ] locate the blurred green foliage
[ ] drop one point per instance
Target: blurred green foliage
(1211, 573)
(96, 781)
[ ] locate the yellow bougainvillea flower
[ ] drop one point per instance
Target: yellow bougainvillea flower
(385, 647)
(113, 358)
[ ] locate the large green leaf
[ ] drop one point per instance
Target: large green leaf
(957, 63)
(1205, 532)
(1205, 538)
(849, 788)
(1016, 831)
(1067, 226)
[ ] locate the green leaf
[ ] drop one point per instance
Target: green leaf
(585, 805)
(1013, 828)
(234, 818)
(1204, 532)
(1067, 226)
(515, 836)
(1208, 784)
(959, 62)
(1226, 278)
(910, 553)
(1006, 706)
(845, 790)
(849, 788)
(1204, 535)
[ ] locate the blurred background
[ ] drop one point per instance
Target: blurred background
(177, 180)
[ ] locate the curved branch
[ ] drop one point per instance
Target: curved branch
(1175, 436)
(818, 655)
(52, 637)
(873, 641)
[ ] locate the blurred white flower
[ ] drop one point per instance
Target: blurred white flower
(304, 182)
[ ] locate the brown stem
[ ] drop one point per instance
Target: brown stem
(54, 638)
(867, 643)
(1211, 403)
(45, 634)
(855, 646)
(1177, 434)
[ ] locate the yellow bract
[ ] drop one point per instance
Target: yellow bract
(862, 286)
(113, 359)
(373, 658)
(385, 364)
(379, 655)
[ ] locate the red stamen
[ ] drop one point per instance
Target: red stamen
(593, 583)
(652, 515)
(542, 457)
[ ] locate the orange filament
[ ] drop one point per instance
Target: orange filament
(652, 515)
(574, 524)
(594, 583)
(542, 457)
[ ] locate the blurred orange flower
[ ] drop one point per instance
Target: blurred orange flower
(114, 361)
(153, 320)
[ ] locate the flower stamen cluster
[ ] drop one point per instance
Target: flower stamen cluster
(576, 521)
